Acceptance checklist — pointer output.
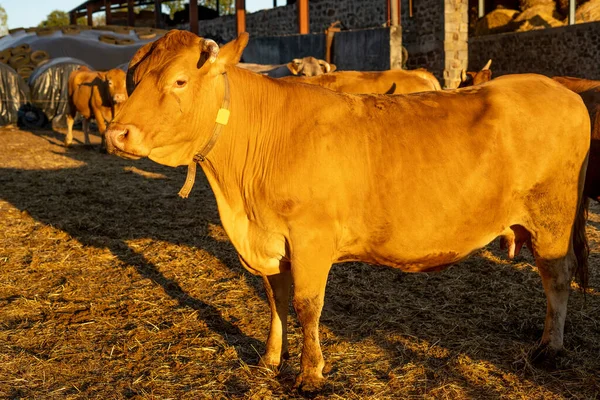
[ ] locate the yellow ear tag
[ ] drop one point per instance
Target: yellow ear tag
(222, 116)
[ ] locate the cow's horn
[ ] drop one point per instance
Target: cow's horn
(488, 65)
(212, 48)
(463, 75)
(297, 61)
(326, 65)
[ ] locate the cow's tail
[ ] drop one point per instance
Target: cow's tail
(580, 242)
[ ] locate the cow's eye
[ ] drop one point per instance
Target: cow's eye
(179, 83)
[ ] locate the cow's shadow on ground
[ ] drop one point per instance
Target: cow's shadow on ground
(483, 308)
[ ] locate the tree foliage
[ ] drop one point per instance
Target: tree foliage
(55, 18)
(3, 21)
(225, 6)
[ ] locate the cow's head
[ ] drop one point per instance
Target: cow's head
(468, 78)
(310, 66)
(176, 86)
(115, 81)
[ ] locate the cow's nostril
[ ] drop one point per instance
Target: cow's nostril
(122, 136)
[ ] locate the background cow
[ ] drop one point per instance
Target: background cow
(94, 94)
(396, 81)
(470, 78)
(307, 66)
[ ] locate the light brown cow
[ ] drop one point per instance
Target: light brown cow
(94, 94)
(394, 81)
(412, 182)
(307, 66)
(471, 78)
(589, 90)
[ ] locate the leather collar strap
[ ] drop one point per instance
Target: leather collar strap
(221, 120)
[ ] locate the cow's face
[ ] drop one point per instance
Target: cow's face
(176, 86)
(476, 78)
(115, 80)
(310, 66)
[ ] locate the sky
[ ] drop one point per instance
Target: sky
(27, 13)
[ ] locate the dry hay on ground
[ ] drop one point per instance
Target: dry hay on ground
(113, 287)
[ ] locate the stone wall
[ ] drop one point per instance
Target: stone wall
(423, 35)
(571, 50)
(283, 20)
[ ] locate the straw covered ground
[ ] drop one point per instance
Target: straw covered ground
(112, 287)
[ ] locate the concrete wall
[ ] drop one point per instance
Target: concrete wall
(571, 50)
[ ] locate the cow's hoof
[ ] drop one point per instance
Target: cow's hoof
(102, 150)
(545, 356)
(309, 383)
(67, 143)
(273, 362)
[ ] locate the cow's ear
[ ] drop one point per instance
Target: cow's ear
(294, 66)
(137, 58)
(231, 53)
(333, 67)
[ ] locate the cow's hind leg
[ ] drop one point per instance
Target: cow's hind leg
(278, 293)
(556, 277)
(86, 130)
(309, 272)
(560, 250)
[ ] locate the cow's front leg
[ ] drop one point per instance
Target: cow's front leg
(278, 293)
(101, 128)
(86, 130)
(309, 278)
(70, 122)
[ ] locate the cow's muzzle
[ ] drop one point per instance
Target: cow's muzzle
(126, 141)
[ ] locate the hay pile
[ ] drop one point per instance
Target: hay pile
(497, 21)
(535, 14)
(538, 17)
(588, 12)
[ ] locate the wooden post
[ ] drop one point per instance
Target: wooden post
(274, 3)
(218, 8)
(481, 8)
(303, 22)
(72, 18)
(107, 11)
(240, 13)
(194, 16)
(394, 13)
(90, 20)
(571, 12)
(157, 14)
(130, 13)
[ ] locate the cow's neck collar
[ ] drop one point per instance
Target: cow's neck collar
(221, 120)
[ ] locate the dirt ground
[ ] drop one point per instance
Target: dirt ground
(112, 287)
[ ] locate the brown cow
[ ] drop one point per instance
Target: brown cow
(94, 94)
(354, 177)
(468, 78)
(394, 81)
(307, 66)
(589, 91)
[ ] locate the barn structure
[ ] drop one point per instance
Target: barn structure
(436, 33)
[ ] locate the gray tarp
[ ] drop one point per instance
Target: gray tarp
(14, 94)
(49, 87)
